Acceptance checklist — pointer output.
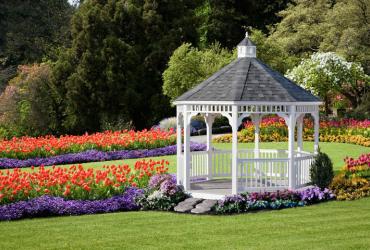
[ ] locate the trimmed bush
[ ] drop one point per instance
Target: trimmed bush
(321, 171)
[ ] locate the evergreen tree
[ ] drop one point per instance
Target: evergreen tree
(31, 31)
(225, 21)
(113, 69)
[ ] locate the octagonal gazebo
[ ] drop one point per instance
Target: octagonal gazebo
(245, 88)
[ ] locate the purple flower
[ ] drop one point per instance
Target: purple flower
(315, 194)
(94, 155)
(49, 205)
(166, 183)
(169, 186)
(275, 200)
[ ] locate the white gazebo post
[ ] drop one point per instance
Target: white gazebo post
(234, 153)
(186, 158)
(179, 124)
(256, 119)
(209, 119)
(300, 133)
(316, 131)
(291, 130)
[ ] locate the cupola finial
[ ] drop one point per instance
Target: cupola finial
(246, 34)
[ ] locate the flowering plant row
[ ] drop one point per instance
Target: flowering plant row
(76, 182)
(363, 160)
(277, 124)
(353, 181)
(94, 155)
(274, 129)
(272, 200)
(30, 147)
(160, 193)
(275, 137)
(47, 205)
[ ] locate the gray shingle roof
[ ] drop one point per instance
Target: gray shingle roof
(248, 79)
(246, 42)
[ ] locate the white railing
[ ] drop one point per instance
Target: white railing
(198, 164)
(221, 162)
(303, 164)
(263, 174)
(257, 170)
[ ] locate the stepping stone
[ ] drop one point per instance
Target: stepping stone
(200, 210)
(207, 203)
(204, 207)
(183, 208)
(190, 201)
(187, 205)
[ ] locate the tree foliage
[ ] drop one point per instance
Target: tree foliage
(27, 104)
(225, 21)
(271, 53)
(113, 69)
(323, 73)
(110, 60)
(340, 26)
(188, 66)
(31, 31)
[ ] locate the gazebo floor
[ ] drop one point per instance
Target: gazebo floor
(212, 189)
(219, 188)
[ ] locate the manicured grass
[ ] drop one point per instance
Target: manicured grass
(336, 151)
(331, 225)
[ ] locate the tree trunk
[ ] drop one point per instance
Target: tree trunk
(326, 103)
(354, 100)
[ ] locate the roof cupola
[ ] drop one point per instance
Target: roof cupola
(246, 48)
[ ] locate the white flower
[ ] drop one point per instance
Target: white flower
(155, 195)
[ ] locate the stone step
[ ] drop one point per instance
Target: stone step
(204, 207)
(187, 205)
(195, 206)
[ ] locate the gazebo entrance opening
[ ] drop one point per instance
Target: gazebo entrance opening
(244, 88)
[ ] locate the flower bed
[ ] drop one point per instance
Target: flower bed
(274, 129)
(32, 147)
(247, 202)
(162, 193)
(353, 181)
(94, 155)
(51, 206)
(76, 182)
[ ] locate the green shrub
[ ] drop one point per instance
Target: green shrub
(321, 171)
(220, 121)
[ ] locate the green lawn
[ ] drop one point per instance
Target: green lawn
(332, 225)
(336, 151)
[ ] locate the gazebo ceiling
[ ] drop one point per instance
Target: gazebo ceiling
(247, 79)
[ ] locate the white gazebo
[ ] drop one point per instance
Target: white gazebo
(245, 88)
